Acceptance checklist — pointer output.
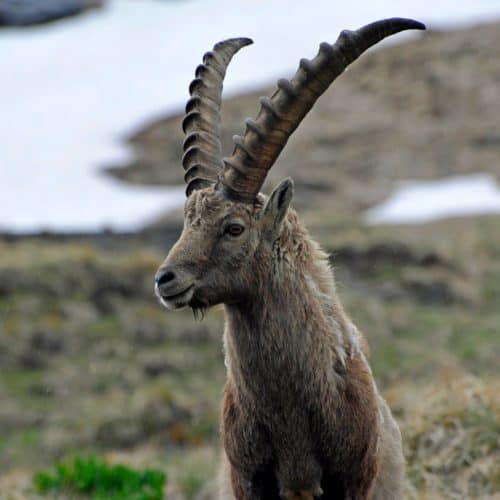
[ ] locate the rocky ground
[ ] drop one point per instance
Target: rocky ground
(92, 364)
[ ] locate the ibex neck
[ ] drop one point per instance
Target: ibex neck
(285, 340)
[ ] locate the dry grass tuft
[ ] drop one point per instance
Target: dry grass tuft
(452, 436)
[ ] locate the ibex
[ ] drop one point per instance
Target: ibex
(302, 417)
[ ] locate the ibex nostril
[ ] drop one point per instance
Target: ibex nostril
(164, 277)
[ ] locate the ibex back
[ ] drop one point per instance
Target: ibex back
(302, 417)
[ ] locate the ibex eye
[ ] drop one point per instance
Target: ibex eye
(234, 229)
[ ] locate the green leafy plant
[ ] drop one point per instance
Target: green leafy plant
(96, 479)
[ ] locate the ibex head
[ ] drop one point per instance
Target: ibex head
(229, 228)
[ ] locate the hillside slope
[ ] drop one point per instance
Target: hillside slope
(421, 110)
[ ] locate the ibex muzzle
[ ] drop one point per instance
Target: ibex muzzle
(173, 287)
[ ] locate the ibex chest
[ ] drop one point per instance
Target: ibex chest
(273, 373)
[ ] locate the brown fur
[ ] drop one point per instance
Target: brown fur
(302, 418)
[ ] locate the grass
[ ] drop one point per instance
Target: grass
(113, 332)
(93, 478)
(191, 483)
(451, 429)
(192, 470)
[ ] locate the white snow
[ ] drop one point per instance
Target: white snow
(71, 91)
(416, 202)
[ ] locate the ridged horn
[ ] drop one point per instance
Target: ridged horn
(202, 158)
(256, 151)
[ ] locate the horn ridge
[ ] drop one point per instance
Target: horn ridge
(279, 115)
(201, 124)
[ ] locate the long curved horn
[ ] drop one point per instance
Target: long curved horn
(264, 138)
(202, 157)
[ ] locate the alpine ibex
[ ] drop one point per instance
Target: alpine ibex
(302, 417)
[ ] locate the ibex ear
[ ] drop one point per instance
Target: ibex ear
(277, 206)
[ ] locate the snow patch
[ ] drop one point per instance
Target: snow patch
(416, 202)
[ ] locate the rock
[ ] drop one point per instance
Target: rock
(45, 341)
(32, 360)
(367, 259)
(431, 292)
(395, 271)
(30, 12)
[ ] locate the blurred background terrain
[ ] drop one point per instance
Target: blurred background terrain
(91, 364)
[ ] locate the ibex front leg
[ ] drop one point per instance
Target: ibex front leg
(247, 450)
(244, 489)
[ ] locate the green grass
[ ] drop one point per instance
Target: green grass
(93, 478)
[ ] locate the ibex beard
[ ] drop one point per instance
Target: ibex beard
(302, 417)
